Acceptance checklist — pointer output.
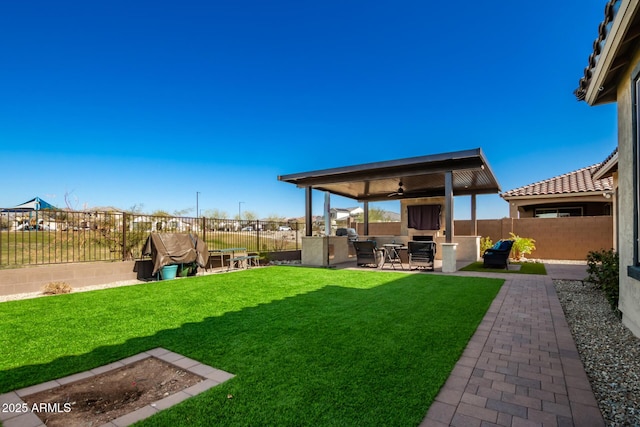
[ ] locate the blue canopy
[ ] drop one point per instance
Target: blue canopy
(35, 204)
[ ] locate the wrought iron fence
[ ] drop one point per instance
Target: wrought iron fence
(57, 236)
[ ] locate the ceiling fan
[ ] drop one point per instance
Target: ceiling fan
(398, 192)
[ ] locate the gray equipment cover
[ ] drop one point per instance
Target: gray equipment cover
(175, 248)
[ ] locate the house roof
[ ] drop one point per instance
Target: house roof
(420, 176)
(608, 166)
(572, 183)
(612, 49)
(347, 209)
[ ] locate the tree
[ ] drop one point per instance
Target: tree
(275, 218)
(72, 205)
(375, 215)
(136, 209)
(216, 213)
(182, 212)
(247, 215)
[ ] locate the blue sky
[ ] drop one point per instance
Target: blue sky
(125, 103)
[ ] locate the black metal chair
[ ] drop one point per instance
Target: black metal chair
(498, 255)
(367, 253)
(421, 254)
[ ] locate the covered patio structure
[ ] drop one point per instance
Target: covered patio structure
(425, 187)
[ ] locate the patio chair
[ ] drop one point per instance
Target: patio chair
(367, 253)
(421, 254)
(498, 255)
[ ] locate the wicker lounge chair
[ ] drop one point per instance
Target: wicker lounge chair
(367, 253)
(498, 255)
(421, 255)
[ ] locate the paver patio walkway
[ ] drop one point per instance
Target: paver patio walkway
(521, 368)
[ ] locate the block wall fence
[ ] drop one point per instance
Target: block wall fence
(568, 238)
(34, 278)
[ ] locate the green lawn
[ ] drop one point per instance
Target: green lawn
(307, 346)
(525, 268)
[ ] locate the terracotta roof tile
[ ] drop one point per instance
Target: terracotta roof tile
(576, 182)
(610, 10)
(613, 157)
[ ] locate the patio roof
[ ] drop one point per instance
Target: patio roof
(422, 176)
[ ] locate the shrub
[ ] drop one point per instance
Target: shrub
(56, 288)
(485, 243)
(522, 246)
(602, 269)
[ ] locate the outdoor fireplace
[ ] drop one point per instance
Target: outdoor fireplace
(423, 235)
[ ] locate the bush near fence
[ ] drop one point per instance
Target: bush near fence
(55, 237)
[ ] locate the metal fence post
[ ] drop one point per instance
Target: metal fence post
(124, 236)
(258, 235)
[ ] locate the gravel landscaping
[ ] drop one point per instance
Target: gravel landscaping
(609, 351)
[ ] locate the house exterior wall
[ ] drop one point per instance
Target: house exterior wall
(629, 303)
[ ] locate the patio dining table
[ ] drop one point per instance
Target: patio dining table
(222, 252)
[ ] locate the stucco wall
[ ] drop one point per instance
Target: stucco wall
(629, 287)
(315, 250)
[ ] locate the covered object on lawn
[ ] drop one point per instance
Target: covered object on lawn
(175, 248)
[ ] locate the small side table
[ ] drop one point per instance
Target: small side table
(391, 255)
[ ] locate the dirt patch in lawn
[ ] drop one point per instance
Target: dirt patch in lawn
(105, 397)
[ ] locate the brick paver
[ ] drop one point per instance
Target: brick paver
(521, 368)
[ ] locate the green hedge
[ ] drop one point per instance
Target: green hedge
(602, 268)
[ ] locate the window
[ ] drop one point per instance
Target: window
(557, 212)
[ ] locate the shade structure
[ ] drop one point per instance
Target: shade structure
(423, 176)
(35, 204)
(445, 175)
